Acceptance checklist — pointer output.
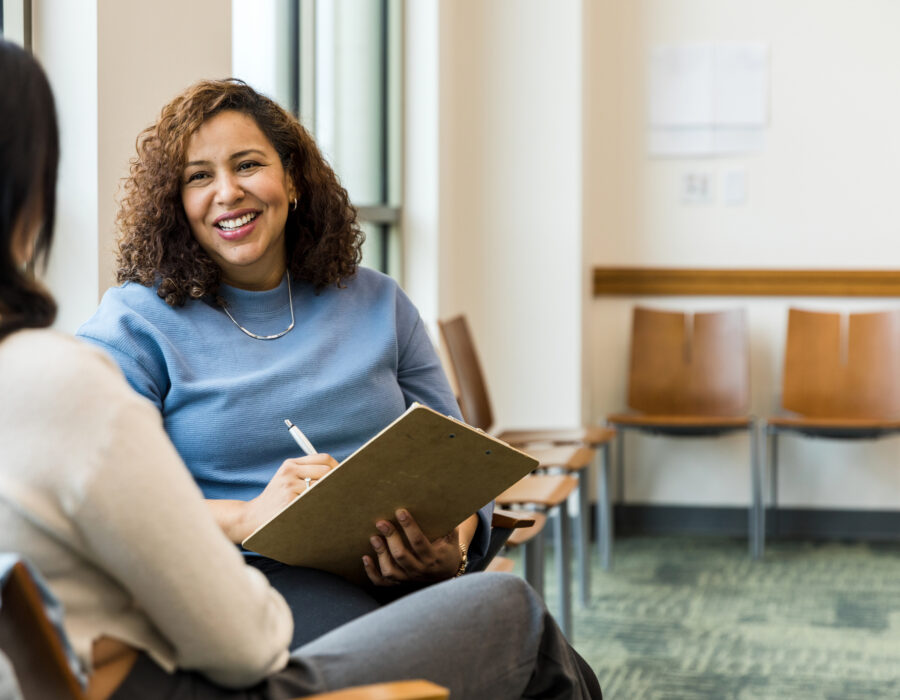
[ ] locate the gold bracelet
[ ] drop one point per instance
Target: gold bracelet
(464, 562)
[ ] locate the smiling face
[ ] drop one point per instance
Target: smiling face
(236, 195)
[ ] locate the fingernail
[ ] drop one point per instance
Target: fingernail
(383, 528)
(376, 543)
(402, 516)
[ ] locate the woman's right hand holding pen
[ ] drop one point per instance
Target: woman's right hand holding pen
(289, 482)
(239, 519)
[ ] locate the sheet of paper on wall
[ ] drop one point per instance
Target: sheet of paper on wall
(705, 141)
(681, 86)
(709, 98)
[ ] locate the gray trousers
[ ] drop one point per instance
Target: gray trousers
(485, 636)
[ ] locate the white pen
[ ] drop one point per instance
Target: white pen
(300, 438)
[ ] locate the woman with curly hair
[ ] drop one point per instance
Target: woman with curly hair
(242, 303)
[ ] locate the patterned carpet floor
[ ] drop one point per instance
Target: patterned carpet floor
(695, 618)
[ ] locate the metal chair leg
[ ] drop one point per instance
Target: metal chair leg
(756, 496)
(563, 571)
(533, 563)
(604, 510)
(527, 563)
(620, 465)
(763, 462)
(582, 540)
(773, 478)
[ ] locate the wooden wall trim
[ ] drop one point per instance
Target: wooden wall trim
(639, 281)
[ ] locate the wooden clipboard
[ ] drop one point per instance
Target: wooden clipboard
(438, 468)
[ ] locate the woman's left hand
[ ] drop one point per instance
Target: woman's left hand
(421, 561)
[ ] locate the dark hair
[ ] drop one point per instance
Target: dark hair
(156, 245)
(29, 154)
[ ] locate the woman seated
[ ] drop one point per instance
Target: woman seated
(158, 602)
(243, 304)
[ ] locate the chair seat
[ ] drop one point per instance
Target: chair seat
(838, 428)
(652, 421)
(526, 534)
(568, 457)
(841, 423)
(588, 435)
(502, 565)
(539, 489)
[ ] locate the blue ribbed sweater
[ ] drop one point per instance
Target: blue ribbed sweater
(356, 359)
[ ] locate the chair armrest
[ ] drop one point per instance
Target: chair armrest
(397, 690)
(511, 519)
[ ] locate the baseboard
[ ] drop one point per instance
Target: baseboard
(811, 523)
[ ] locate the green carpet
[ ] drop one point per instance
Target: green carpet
(692, 617)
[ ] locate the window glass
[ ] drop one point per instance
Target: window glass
(261, 47)
(337, 64)
(15, 21)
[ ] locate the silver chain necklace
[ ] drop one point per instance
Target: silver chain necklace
(277, 335)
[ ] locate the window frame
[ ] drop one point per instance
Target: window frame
(17, 13)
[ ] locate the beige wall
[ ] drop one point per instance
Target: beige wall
(144, 59)
(822, 193)
(112, 65)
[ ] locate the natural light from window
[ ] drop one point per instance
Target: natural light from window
(337, 63)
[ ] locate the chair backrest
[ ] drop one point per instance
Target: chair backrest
(473, 395)
(683, 364)
(842, 366)
(31, 642)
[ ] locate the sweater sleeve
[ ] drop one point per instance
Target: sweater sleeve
(121, 329)
(422, 379)
(144, 522)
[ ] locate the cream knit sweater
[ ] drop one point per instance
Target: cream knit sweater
(93, 494)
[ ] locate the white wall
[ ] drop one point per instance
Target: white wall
(112, 65)
(421, 169)
(820, 194)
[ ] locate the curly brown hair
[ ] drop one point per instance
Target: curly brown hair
(322, 237)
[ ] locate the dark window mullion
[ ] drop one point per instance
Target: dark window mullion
(294, 44)
(384, 229)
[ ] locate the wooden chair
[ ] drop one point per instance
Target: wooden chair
(32, 643)
(841, 380)
(548, 493)
(690, 376)
(36, 652)
(475, 405)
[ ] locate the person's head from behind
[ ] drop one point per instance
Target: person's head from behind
(29, 154)
(229, 187)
